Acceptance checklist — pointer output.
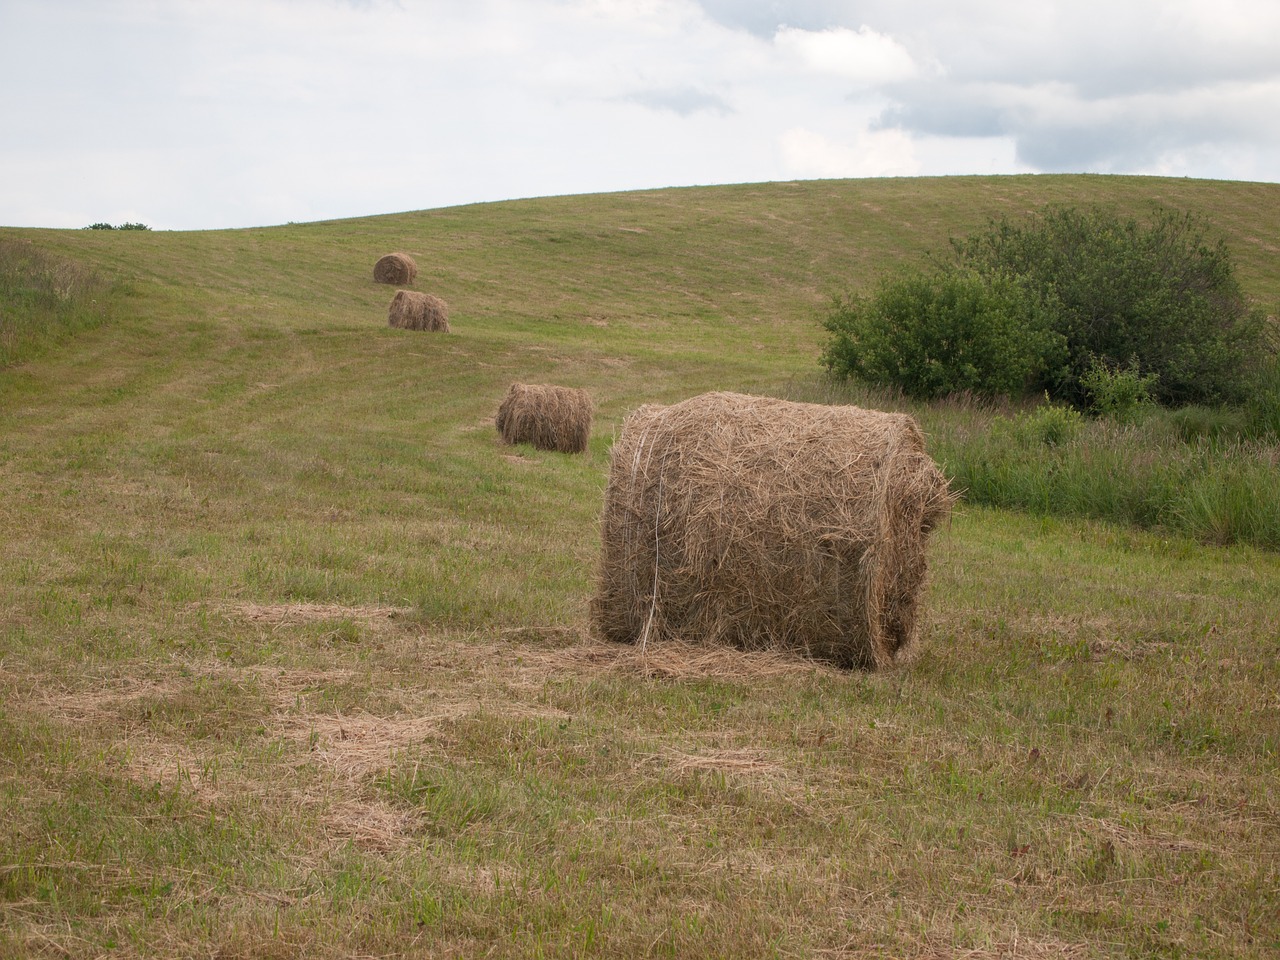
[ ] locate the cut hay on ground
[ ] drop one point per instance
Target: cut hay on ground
(395, 268)
(411, 310)
(550, 418)
(768, 525)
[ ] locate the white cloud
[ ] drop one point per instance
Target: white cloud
(807, 154)
(863, 56)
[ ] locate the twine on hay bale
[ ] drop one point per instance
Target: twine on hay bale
(411, 310)
(768, 525)
(395, 268)
(549, 417)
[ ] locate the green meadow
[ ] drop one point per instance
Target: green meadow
(294, 652)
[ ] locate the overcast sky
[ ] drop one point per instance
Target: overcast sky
(195, 114)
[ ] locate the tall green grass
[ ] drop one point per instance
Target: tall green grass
(44, 297)
(1198, 472)
(1218, 491)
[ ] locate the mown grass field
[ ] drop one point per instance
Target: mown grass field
(294, 657)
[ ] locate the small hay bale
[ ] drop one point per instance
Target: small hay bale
(395, 268)
(550, 418)
(764, 524)
(411, 310)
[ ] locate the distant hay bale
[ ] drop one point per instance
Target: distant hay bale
(768, 525)
(395, 268)
(411, 310)
(550, 418)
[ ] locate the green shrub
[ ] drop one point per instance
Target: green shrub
(1100, 312)
(1161, 293)
(956, 332)
(1120, 393)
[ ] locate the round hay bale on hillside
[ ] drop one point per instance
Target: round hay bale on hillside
(411, 310)
(766, 524)
(550, 418)
(395, 268)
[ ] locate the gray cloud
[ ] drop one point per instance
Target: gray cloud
(947, 110)
(1056, 128)
(1141, 132)
(1093, 85)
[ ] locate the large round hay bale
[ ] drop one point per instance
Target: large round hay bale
(549, 417)
(411, 310)
(395, 268)
(766, 524)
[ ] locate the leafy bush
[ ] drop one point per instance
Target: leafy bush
(1118, 290)
(1094, 309)
(955, 332)
(123, 226)
(1120, 393)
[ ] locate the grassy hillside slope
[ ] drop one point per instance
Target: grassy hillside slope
(293, 657)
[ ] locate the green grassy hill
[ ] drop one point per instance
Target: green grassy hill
(294, 660)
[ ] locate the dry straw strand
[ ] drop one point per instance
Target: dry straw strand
(397, 269)
(411, 310)
(549, 417)
(765, 524)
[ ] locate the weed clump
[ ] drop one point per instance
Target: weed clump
(1048, 425)
(1120, 393)
(44, 298)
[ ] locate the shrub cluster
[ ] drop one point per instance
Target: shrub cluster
(123, 226)
(957, 332)
(1120, 393)
(1096, 310)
